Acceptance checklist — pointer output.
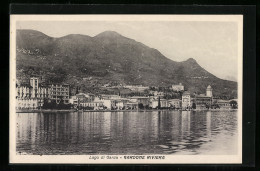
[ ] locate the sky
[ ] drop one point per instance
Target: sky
(213, 44)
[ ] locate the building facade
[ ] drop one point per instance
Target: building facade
(209, 91)
(32, 96)
(59, 92)
(186, 100)
(223, 104)
(178, 87)
(204, 101)
(175, 103)
(163, 103)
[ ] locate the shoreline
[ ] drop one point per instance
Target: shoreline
(140, 110)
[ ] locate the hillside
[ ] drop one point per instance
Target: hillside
(109, 57)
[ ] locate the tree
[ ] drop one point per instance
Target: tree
(140, 105)
(77, 90)
(49, 105)
(193, 106)
(159, 103)
(233, 104)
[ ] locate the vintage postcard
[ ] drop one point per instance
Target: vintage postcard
(126, 89)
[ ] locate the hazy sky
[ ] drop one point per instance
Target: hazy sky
(212, 44)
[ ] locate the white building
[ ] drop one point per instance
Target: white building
(178, 87)
(209, 91)
(163, 103)
(186, 100)
(27, 103)
(137, 88)
(176, 103)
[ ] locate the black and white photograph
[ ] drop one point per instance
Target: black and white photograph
(126, 89)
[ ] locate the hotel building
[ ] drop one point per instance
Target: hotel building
(32, 96)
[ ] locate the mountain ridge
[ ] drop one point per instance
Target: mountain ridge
(108, 57)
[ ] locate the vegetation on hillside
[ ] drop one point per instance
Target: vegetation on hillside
(90, 62)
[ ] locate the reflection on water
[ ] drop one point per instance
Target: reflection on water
(163, 132)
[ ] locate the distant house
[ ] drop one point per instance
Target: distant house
(137, 88)
(178, 87)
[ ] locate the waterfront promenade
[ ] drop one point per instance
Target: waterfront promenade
(135, 110)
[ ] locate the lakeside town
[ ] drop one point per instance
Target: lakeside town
(37, 96)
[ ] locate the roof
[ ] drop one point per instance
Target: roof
(209, 87)
(25, 85)
(139, 97)
(158, 100)
(203, 96)
(222, 101)
(174, 100)
(186, 93)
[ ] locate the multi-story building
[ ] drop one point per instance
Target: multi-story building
(33, 95)
(163, 103)
(27, 103)
(59, 92)
(204, 101)
(176, 103)
(186, 100)
(82, 100)
(23, 91)
(140, 100)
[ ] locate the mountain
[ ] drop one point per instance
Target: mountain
(108, 57)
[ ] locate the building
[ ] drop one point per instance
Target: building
(163, 103)
(23, 91)
(25, 97)
(82, 100)
(204, 101)
(39, 90)
(209, 91)
(59, 92)
(223, 104)
(109, 96)
(175, 103)
(95, 104)
(137, 88)
(32, 96)
(186, 100)
(131, 105)
(140, 100)
(178, 87)
(119, 104)
(27, 103)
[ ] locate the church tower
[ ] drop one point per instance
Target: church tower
(209, 91)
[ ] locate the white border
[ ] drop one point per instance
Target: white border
(84, 159)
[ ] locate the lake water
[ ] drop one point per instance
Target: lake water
(155, 132)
